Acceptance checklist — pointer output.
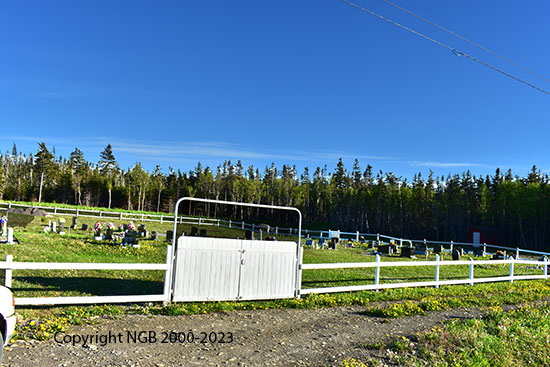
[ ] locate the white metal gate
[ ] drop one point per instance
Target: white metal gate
(219, 269)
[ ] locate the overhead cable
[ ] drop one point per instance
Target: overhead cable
(452, 49)
(464, 39)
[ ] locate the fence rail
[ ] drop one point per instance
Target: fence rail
(9, 265)
(435, 283)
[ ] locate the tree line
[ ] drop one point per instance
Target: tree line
(439, 208)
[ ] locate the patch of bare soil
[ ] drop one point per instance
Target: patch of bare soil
(289, 337)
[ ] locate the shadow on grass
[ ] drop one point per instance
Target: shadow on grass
(88, 285)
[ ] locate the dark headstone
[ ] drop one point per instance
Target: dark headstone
(109, 234)
(371, 244)
(194, 231)
(154, 235)
(130, 238)
(321, 242)
(407, 251)
(479, 251)
(333, 243)
(248, 235)
(203, 232)
(386, 249)
(309, 242)
(460, 251)
(421, 250)
(438, 249)
(84, 227)
(75, 222)
(169, 235)
(456, 254)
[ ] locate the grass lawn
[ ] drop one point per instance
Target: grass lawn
(79, 246)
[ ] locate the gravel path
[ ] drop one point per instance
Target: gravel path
(289, 337)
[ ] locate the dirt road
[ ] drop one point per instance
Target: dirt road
(322, 337)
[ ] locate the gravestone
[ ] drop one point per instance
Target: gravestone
(75, 222)
(421, 250)
(248, 235)
(333, 243)
(194, 231)
(309, 242)
(53, 226)
(322, 243)
(385, 249)
(202, 232)
(97, 234)
(10, 235)
(84, 227)
(479, 251)
(130, 238)
(169, 235)
(460, 251)
(142, 230)
(61, 225)
(154, 235)
(109, 234)
(407, 251)
(438, 249)
(370, 244)
(456, 254)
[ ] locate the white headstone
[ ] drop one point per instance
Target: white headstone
(10, 235)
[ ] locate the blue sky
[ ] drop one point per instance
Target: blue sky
(297, 82)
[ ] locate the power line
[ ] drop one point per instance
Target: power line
(464, 39)
(455, 51)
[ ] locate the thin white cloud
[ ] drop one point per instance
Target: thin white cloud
(445, 164)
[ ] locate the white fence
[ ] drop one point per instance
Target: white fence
(377, 265)
(316, 234)
(9, 265)
(253, 290)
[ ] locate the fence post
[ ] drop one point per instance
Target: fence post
(378, 239)
(9, 260)
(400, 242)
(299, 270)
(55, 210)
(242, 225)
(199, 221)
(511, 271)
(276, 230)
(357, 237)
(168, 274)
(161, 218)
(437, 271)
(545, 266)
(452, 245)
(218, 222)
(229, 223)
(120, 216)
(100, 214)
(472, 271)
(77, 211)
(9, 205)
(377, 271)
(517, 253)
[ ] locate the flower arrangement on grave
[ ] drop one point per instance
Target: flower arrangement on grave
(131, 226)
(121, 227)
(98, 225)
(111, 225)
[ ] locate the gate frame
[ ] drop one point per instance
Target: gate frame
(170, 273)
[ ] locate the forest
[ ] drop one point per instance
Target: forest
(356, 199)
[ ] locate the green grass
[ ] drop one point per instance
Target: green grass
(357, 276)
(79, 246)
(500, 339)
